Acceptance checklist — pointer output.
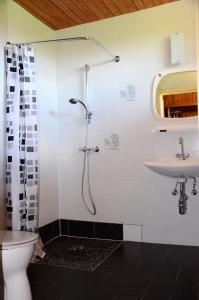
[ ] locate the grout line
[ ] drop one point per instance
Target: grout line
(137, 267)
(179, 271)
(103, 260)
(68, 224)
(145, 291)
(89, 238)
(59, 227)
(94, 229)
(51, 240)
(164, 256)
(142, 233)
(104, 280)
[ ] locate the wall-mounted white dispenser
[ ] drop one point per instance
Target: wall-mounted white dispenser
(177, 48)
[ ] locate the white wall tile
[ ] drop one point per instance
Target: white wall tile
(132, 232)
(124, 189)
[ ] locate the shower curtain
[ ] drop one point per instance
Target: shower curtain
(21, 139)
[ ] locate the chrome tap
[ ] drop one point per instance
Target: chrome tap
(182, 155)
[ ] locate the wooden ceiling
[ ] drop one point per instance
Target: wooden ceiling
(59, 14)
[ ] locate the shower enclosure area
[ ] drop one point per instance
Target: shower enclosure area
(83, 127)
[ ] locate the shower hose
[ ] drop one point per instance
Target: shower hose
(86, 167)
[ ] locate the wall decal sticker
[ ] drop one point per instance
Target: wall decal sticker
(129, 94)
(113, 143)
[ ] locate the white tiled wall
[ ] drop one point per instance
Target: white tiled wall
(124, 190)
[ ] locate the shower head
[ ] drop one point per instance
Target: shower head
(88, 113)
(75, 101)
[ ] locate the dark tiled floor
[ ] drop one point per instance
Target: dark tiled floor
(135, 271)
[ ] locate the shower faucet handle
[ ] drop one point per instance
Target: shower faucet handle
(83, 149)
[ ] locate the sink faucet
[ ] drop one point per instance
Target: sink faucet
(182, 155)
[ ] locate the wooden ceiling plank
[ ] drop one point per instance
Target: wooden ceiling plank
(121, 6)
(112, 7)
(130, 5)
(53, 12)
(158, 2)
(48, 14)
(168, 1)
(67, 11)
(148, 3)
(84, 9)
(139, 4)
(71, 10)
(38, 13)
(99, 9)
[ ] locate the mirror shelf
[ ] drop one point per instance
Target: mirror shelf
(174, 128)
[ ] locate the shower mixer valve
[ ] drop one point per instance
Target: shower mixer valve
(85, 149)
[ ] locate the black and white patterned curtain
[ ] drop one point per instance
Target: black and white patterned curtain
(21, 136)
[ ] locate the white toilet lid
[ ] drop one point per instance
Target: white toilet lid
(10, 238)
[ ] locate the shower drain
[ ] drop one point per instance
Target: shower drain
(77, 248)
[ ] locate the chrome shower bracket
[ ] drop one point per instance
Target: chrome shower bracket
(89, 115)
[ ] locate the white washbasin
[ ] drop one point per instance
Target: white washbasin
(175, 167)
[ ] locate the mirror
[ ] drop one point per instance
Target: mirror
(175, 94)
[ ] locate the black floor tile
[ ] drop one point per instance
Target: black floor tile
(83, 280)
(48, 291)
(118, 267)
(169, 290)
(151, 254)
(45, 274)
(189, 273)
(158, 270)
(127, 298)
(124, 286)
(175, 254)
(121, 261)
(192, 257)
(89, 294)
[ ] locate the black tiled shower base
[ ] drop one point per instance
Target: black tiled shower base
(78, 253)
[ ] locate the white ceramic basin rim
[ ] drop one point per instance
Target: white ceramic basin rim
(175, 167)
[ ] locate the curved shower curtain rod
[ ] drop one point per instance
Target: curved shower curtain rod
(115, 58)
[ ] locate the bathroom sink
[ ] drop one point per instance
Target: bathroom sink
(175, 167)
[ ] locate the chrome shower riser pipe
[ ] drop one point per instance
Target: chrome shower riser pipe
(86, 159)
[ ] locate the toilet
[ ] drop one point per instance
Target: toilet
(16, 252)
